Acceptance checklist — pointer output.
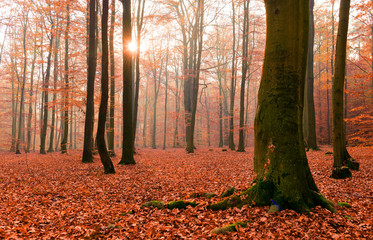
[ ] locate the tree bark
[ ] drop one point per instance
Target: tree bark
(128, 146)
(309, 125)
(245, 46)
(25, 26)
(100, 137)
(112, 82)
(55, 78)
(233, 82)
(341, 155)
(279, 156)
(66, 90)
(92, 50)
(43, 134)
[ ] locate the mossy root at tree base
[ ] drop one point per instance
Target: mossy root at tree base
(352, 164)
(341, 173)
(264, 193)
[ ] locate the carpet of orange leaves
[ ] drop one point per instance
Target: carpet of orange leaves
(56, 196)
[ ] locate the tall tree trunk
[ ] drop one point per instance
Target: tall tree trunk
(55, 78)
(112, 82)
(233, 82)
(43, 134)
(165, 103)
(128, 146)
(279, 156)
(31, 100)
(221, 142)
(139, 25)
(177, 110)
(67, 89)
(245, 46)
(309, 125)
(145, 117)
(89, 115)
(341, 156)
(25, 25)
(100, 137)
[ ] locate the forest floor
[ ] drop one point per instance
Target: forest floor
(55, 196)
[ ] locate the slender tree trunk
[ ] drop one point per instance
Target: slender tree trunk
(220, 117)
(100, 137)
(245, 44)
(309, 124)
(233, 82)
(139, 25)
(43, 134)
(128, 144)
(341, 156)
(67, 89)
(177, 111)
(55, 77)
(89, 115)
(145, 116)
(25, 25)
(112, 82)
(165, 104)
(31, 101)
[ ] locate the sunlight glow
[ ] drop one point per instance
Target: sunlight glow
(132, 46)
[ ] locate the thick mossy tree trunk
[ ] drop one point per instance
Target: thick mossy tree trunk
(309, 125)
(280, 161)
(342, 159)
(127, 146)
(100, 138)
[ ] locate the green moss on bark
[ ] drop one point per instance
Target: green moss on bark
(230, 228)
(228, 192)
(352, 164)
(234, 201)
(156, 204)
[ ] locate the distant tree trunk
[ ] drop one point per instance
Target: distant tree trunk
(89, 115)
(100, 137)
(139, 26)
(309, 125)
(341, 156)
(43, 134)
(220, 117)
(112, 82)
(165, 103)
(177, 111)
(279, 156)
(66, 95)
(55, 77)
(245, 46)
(128, 146)
(25, 25)
(233, 82)
(156, 92)
(31, 99)
(208, 117)
(145, 116)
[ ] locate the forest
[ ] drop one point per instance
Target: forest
(176, 119)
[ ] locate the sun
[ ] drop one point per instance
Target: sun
(132, 46)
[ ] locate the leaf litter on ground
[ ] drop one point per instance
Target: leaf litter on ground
(56, 196)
